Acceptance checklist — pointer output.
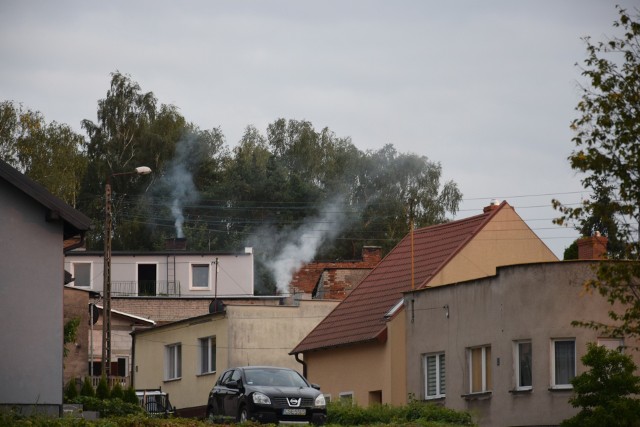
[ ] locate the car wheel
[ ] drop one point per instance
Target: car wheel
(243, 415)
(211, 416)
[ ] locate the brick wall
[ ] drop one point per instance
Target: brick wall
(76, 304)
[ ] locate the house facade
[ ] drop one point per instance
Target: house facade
(169, 274)
(503, 347)
(359, 351)
(34, 227)
(185, 357)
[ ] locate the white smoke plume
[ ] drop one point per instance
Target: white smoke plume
(285, 251)
(180, 181)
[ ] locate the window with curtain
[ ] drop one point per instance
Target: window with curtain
(200, 276)
(479, 369)
(434, 374)
(173, 361)
(207, 355)
(564, 362)
(524, 359)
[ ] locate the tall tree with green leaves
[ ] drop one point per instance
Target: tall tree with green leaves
(51, 154)
(607, 139)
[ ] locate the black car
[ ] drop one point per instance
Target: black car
(266, 394)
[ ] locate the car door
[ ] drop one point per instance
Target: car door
(219, 393)
(232, 396)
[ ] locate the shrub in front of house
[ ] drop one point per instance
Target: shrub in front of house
(415, 412)
(87, 388)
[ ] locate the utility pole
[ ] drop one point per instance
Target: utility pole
(106, 305)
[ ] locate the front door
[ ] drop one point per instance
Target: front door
(147, 280)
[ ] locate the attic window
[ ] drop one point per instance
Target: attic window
(82, 274)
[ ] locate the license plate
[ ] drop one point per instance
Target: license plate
(294, 411)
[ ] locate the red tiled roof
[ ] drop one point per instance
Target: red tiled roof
(360, 317)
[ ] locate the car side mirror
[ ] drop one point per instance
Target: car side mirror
(316, 386)
(232, 384)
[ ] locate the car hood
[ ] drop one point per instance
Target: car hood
(275, 391)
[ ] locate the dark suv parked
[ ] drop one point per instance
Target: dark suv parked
(266, 394)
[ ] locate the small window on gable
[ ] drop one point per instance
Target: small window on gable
(612, 343)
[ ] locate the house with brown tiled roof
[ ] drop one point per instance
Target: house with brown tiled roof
(358, 351)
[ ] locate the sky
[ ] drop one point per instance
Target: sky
(486, 89)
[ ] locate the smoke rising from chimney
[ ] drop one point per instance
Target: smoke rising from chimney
(285, 251)
(179, 181)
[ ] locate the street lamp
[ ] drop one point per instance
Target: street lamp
(106, 283)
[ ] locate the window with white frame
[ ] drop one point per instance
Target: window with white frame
(563, 362)
(207, 355)
(434, 375)
(479, 369)
(173, 361)
(82, 274)
(346, 397)
(523, 358)
(612, 343)
(200, 276)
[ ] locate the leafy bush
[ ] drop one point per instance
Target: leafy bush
(415, 412)
(130, 396)
(109, 407)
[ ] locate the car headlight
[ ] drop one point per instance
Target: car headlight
(320, 402)
(261, 399)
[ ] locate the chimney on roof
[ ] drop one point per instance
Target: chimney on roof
(371, 254)
(175, 244)
(593, 247)
(492, 206)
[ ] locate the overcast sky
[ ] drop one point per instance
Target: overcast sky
(488, 89)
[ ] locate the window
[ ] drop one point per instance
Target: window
(173, 362)
(434, 370)
(480, 369)
(563, 361)
(346, 397)
(200, 276)
(207, 355)
(612, 343)
(82, 274)
(523, 365)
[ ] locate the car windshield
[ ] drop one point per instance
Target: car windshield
(274, 377)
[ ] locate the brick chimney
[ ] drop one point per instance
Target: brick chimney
(371, 254)
(175, 244)
(495, 204)
(593, 247)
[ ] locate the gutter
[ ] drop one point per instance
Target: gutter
(303, 363)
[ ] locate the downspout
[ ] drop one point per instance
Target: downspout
(133, 353)
(303, 363)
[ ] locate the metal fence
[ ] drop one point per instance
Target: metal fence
(146, 288)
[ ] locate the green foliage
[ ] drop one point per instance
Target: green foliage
(70, 333)
(117, 392)
(70, 390)
(102, 391)
(607, 137)
(49, 153)
(344, 413)
(606, 394)
(109, 407)
(87, 388)
(130, 396)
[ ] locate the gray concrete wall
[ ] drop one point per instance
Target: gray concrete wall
(535, 302)
(31, 302)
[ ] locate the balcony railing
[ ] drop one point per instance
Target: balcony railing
(146, 288)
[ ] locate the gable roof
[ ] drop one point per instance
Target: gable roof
(360, 317)
(75, 222)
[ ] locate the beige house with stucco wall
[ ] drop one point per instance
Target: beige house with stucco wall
(185, 357)
(503, 347)
(359, 351)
